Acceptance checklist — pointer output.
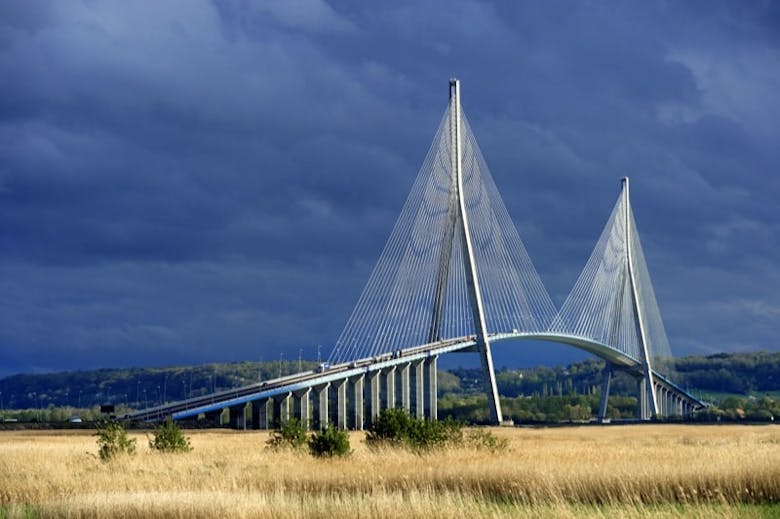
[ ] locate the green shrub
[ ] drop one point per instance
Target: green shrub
(112, 440)
(169, 438)
(392, 426)
(329, 442)
(480, 439)
(290, 435)
(396, 427)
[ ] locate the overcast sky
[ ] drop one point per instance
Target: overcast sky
(190, 181)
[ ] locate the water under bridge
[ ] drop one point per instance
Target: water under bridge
(455, 276)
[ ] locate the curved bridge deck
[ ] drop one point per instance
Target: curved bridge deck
(374, 385)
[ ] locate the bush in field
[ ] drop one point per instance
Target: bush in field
(398, 428)
(112, 440)
(329, 442)
(169, 438)
(290, 435)
(481, 439)
(391, 427)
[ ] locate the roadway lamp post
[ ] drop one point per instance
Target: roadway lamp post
(165, 389)
(138, 393)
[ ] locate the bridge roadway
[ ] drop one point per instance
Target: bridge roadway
(675, 400)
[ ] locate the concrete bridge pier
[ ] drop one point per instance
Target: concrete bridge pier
(388, 389)
(323, 405)
(214, 416)
(406, 395)
(302, 403)
(669, 408)
(431, 388)
(357, 384)
(341, 404)
(643, 409)
(374, 394)
(606, 381)
(282, 409)
(237, 416)
(262, 414)
(418, 389)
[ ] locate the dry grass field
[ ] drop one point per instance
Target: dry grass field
(615, 471)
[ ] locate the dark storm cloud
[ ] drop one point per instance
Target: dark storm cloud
(193, 181)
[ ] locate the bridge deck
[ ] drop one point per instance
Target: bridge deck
(312, 379)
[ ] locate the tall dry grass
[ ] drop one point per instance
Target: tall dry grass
(626, 471)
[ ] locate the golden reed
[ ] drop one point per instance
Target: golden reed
(614, 471)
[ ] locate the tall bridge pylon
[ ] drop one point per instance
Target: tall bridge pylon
(454, 265)
(457, 222)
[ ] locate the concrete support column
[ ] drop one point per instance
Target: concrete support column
(374, 394)
(389, 390)
(282, 408)
(238, 416)
(418, 389)
(406, 400)
(263, 414)
(431, 388)
(341, 404)
(606, 381)
(661, 399)
(323, 397)
(357, 401)
(303, 407)
(214, 416)
(642, 406)
(667, 403)
(255, 414)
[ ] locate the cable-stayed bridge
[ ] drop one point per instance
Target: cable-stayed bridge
(455, 276)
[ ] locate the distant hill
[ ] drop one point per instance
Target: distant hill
(136, 387)
(725, 373)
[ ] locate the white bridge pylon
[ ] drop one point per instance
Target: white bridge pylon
(455, 266)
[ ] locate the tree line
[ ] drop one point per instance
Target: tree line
(740, 385)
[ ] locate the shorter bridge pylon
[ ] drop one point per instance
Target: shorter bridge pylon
(613, 302)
